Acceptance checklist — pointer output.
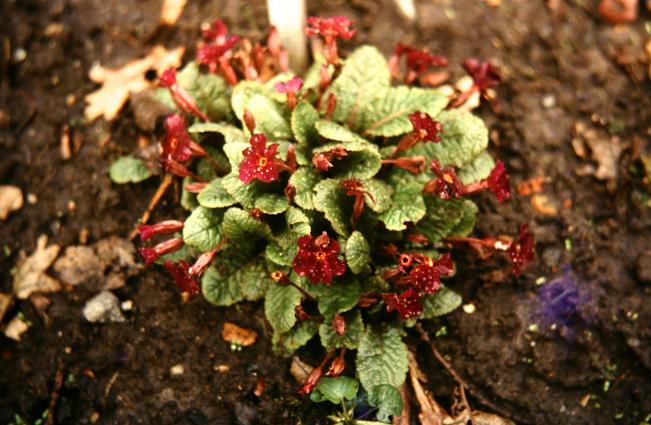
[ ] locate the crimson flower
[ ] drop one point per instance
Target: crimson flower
(323, 161)
(151, 254)
(181, 274)
(407, 304)
(330, 28)
(354, 188)
(418, 61)
(147, 231)
(425, 127)
(181, 97)
(412, 164)
(289, 86)
(218, 43)
(447, 184)
(259, 161)
(317, 259)
(521, 252)
(483, 74)
(426, 277)
(498, 182)
(338, 365)
(176, 144)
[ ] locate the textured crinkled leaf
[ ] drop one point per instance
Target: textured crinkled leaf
(330, 198)
(272, 203)
(298, 223)
(269, 118)
(466, 224)
(215, 196)
(381, 358)
(332, 131)
(377, 195)
(202, 228)
(253, 280)
(363, 77)
(350, 339)
(478, 169)
(388, 116)
(463, 138)
(240, 228)
(234, 153)
(279, 307)
(358, 253)
(443, 215)
(230, 132)
(443, 302)
(298, 336)
(304, 116)
(209, 91)
(407, 206)
(335, 390)
(219, 289)
(188, 199)
(304, 180)
(339, 297)
(245, 194)
(244, 91)
(388, 401)
(128, 169)
(279, 257)
(362, 162)
(231, 280)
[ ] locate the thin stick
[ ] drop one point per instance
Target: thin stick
(54, 397)
(167, 181)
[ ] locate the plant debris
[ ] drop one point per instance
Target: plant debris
(118, 83)
(11, 199)
(30, 276)
(6, 301)
(171, 11)
(16, 328)
(238, 335)
(103, 308)
(605, 151)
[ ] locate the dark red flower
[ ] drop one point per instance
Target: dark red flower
(420, 60)
(151, 254)
(447, 184)
(147, 231)
(426, 277)
(178, 169)
(185, 281)
(413, 164)
(330, 28)
(521, 252)
(498, 182)
(317, 259)
(323, 161)
(339, 324)
(259, 161)
(483, 74)
(407, 304)
(338, 365)
(218, 43)
(425, 127)
(181, 97)
(176, 144)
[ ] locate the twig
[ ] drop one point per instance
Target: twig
(167, 181)
(54, 397)
(466, 405)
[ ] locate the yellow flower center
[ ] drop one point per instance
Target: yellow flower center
(262, 162)
(320, 256)
(448, 178)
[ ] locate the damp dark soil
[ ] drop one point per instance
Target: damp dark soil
(590, 363)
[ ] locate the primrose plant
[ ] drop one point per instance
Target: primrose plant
(334, 197)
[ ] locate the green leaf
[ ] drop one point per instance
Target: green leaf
(240, 228)
(388, 116)
(298, 223)
(201, 229)
(464, 137)
(209, 91)
(467, 222)
(443, 215)
(363, 77)
(272, 203)
(443, 302)
(269, 118)
(350, 339)
(381, 358)
(245, 194)
(407, 206)
(336, 132)
(339, 297)
(304, 116)
(296, 337)
(278, 256)
(229, 281)
(215, 196)
(253, 280)
(377, 195)
(358, 253)
(188, 199)
(478, 169)
(234, 153)
(330, 198)
(335, 390)
(388, 401)
(230, 132)
(128, 169)
(304, 180)
(363, 159)
(279, 307)
(244, 91)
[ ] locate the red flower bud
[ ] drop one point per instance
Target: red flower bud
(249, 120)
(181, 97)
(146, 231)
(151, 254)
(339, 324)
(521, 252)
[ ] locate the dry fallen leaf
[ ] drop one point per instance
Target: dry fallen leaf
(531, 186)
(238, 335)
(604, 149)
(11, 199)
(16, 328)
(171, 11)
(544, 205)
(5, 303)
(430, 411)
(300, 370)
(117, 83)
(31, 276)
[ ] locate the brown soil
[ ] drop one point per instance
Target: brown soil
(121, 371)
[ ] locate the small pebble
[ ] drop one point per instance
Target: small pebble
(548, 101)
(32, 199)
(469, 308)
(20, 55)
(127, 305)
(102, 308)
(177, 370)
(222, 368)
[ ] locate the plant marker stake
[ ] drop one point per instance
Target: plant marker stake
(288, 16)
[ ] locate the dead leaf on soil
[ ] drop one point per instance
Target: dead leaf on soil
(604, 150)
(430, 411)
(300, 370)
(16, 328)
(531, 186)
(238, 335)
(117, 83)
(31, 276)
(11, 199)
(544, 205)
(171, 11)
(5, 304)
